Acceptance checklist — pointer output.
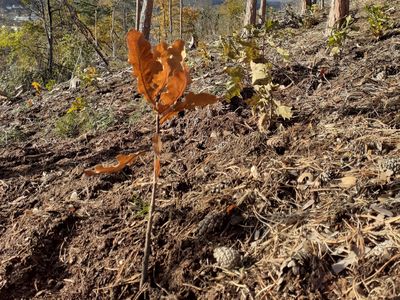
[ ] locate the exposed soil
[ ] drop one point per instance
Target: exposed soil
(317, 197)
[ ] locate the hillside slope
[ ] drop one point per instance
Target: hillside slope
(317, 198)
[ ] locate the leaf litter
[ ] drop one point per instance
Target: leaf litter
(317, 202)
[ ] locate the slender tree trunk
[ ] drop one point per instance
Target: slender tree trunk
(263, 11)
(112, 32)
(95, 27)
(322, 3)
(164, 27)
(305, 6)
(145, 18)
(338, 12)
(50, 41)
(170, 20)
(138, 10)
(180, 17)
(251, 13)
(125, 18)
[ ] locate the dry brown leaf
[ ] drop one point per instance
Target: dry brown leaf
(191, 101)
(147, 67)
(263, 122)
(179, 77)
(123, 161)
(305, 175)
(163, 76)
(347, 182)
(381, 210)
(342, 264)
(176, 86)
(254, 173)
(308, 204)
(161, 54)
(177, 55)
(383, 177)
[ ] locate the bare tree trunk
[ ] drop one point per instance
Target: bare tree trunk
(50, 41)
(322, 3)
(145, 18)
(251, 13)
(305, 6)
(125, 18)
(95, 27)
(164, 27)
(180, 17)
(170, 19)
(339, 11)
(138, 9)
(112, 31)
(263, 11)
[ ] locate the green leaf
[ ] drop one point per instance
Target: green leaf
(284, 53)
(260, 73)
(234, 85)
(232, 89)
(335, 51)
(228, 48)
(282, 110)
(78, 105)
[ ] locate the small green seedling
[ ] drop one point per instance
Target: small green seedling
(378, 19)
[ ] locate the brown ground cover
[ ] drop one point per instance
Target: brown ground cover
(317, 197)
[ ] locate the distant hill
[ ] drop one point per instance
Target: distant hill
(5, 3)
(273, 3)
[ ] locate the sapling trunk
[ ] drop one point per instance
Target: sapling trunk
(147, 245)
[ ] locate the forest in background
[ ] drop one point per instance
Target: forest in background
(62, 38)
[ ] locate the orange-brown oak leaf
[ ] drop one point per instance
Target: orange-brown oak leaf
(148, 68)
(176, 86)
(177, 55)
(161, 54)
(123, 161)
(191, 101)
(178, 79)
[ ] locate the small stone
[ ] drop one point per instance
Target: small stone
(74, 196)
(214, 135)
(226, 133)
(254, 172)
(74, 83)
